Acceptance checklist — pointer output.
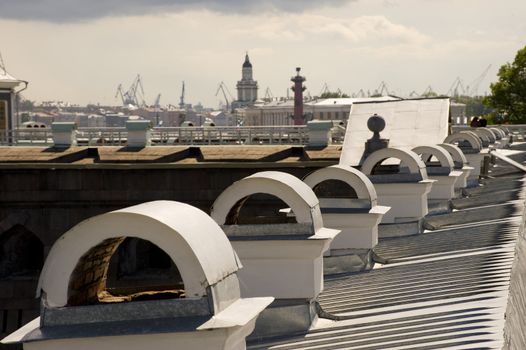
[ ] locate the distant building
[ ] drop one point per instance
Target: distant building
(282, 112)
(458, 113)
(247, 87)
(8, 85)
(220, 118)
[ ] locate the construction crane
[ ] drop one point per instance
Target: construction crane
(324, 89)
(473, 87)
(134, 95)
(268, 95)
(157, 108)
(222, 87)
(2, 65)
(457, 86)
(181, 99)
(360, 93)
(381, 90)
(429, 92)
(157, 104)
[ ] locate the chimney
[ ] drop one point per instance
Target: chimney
(64, 134)
(138, 133)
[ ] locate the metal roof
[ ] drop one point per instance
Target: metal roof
(444, 289)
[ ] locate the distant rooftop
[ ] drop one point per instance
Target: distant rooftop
(168, 155)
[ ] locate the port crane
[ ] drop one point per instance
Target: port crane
(134, 95)
(181, 99)
(473, 87)
(324, 89)
(157, 108)
(429, 92)
(382, 90)
(268, 95)
(457, 88)
(224, 89)
(360, 93)
(2, 64)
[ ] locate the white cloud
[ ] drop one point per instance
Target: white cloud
(372, 30)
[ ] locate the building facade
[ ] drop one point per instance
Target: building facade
(7, 102)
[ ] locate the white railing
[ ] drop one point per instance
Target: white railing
(27, 137)
(253, 135)
(217, 135)
(103, 136)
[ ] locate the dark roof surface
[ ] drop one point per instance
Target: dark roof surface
(168, 154)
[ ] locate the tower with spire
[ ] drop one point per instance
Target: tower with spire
(247, 87)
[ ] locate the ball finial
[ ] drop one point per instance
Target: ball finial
(376, 123)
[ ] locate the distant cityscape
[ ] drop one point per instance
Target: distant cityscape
(246, 109)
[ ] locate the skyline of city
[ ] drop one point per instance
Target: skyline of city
(82, 56)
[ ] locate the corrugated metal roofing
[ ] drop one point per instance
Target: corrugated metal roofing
(444, 289)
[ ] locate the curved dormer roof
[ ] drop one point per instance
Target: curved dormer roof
(359, 182)
(468, 136)
(195, 243)
(417, 168)
(456, 153)
(443, 156)
(291, 190)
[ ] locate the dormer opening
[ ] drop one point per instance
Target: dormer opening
(124, 269)
(334, 189)
(259, 209)
(389, 166)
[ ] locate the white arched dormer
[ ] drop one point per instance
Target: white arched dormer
(159, 222)
(471, 145)
(496, 132)
(357, 218)
(74, 276)
(487, 137)
(505, 129)
(286, 187)
(404, 191)
(502, 138)
(461, 164)
(467, 141)
(439, 167)
(284, 260)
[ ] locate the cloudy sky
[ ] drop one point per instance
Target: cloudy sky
(79, 51)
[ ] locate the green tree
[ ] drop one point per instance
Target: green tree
(508, 94)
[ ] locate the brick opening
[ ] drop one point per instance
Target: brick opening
(258, 209)
(334, 189)
(21, 254)
(121, 270)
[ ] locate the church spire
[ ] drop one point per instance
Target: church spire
(247, 63)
